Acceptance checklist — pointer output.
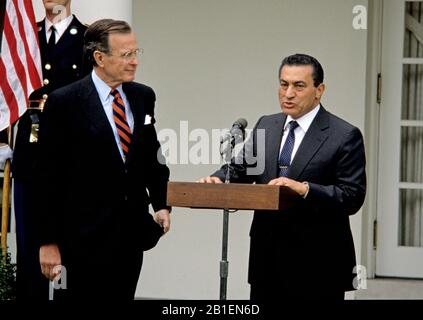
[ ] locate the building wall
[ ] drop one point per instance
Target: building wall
(211, 62)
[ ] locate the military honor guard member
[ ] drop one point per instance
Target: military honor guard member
(61, 37)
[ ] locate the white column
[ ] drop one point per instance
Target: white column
(90, 11)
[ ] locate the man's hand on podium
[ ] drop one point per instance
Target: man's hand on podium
(299, 187)
(210, 180)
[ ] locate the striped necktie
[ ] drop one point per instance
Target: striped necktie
(286, 153)
(119, 116)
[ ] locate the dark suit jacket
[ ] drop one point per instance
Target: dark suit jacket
(309, 245)
(92, 201)
(60, 66)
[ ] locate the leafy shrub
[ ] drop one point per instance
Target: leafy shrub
(7, 277)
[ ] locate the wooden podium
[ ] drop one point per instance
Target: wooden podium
(228, 196)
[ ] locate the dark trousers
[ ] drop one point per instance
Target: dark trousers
(111, 277)
(31, 284)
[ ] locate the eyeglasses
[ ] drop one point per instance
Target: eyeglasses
(129, 55)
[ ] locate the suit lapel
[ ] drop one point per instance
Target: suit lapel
(314, 138)
(273, 143)
(94, 110)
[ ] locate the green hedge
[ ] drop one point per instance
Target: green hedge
(7, 278)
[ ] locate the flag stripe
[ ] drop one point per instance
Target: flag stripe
(14, 45)
(31, 33)
(32, 71)
(29, 11)
(13, 84)
(10, 98)
(20, 60)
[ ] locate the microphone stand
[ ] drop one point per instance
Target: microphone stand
(224, 264)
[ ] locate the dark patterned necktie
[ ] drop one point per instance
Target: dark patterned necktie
(119, 116)
(286, 153)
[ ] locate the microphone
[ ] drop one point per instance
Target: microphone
(237, 128)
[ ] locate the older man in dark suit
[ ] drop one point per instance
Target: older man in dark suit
(101, 167)
(306, 251)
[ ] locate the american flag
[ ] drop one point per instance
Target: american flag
(20, 60)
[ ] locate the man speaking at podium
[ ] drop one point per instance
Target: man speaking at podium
(306, 251)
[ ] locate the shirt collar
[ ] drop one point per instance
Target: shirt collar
(103, 88)
(304, 121)
(60, 26)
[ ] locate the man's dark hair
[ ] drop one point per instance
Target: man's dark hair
(97, 36)
(300, 59)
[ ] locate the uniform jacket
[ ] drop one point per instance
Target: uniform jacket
(61, 66)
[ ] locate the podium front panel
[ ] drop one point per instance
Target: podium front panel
(229, 196)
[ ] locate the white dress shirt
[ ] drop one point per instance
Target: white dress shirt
(60, 27)
(304, 123)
